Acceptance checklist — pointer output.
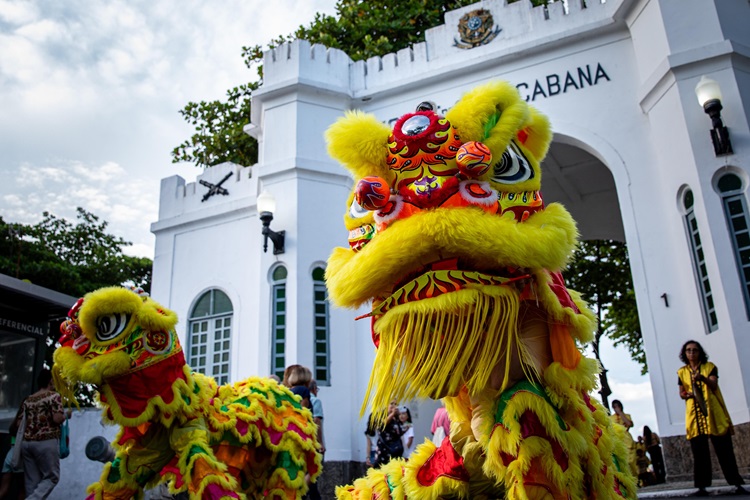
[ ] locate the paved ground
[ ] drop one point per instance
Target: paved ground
(685, 489)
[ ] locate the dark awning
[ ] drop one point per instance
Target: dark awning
(23, 299)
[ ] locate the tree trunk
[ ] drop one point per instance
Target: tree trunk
(604, 389)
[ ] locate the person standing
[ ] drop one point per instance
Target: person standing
(317, 411)
(297, 378)
(653, 446)
(389, 437)
(645, 477)
(40, 448)
(372, 448)
(12, 476)
(408, 437)
(441, 421)
(625, 420)
(706, 418)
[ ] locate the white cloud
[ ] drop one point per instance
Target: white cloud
(13, 200)
(44, 31)
(128, 203)
(17, 12)
(92, 90)
(629, 391)
(22, 61)
(140, 250)
(100, 174)
(38, 177)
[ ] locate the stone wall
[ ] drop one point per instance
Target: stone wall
(678, 457)
(339, 473)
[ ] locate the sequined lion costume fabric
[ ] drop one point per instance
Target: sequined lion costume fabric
(251, 439)
(451, 242)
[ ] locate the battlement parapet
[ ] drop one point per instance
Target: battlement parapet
(516, 26)
(300, 62)
(226, 182)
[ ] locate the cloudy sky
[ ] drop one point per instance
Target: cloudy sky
(90, 93)
(89, 99)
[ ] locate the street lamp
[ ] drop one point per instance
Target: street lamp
(266, 208)
(709, 96)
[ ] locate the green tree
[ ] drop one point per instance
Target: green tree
(362, 29)
(600, 271)
(70, 258)
(219, 135)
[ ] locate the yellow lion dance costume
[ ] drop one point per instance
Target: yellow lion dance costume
(450, 240)
(252, 439)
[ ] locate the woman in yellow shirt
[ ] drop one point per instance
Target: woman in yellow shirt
(706, 417)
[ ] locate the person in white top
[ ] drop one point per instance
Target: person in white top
(408, 436)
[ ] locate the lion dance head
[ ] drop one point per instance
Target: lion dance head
(125, 343)
(450, 241)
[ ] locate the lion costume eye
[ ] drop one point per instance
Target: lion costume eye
(513, 167)
(110, 326)
(356, 211)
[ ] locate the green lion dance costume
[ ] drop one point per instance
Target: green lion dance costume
(248, 440)
(450, 240)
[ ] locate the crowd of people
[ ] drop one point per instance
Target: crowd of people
(394, 436)
(706, 420)
(645, 457)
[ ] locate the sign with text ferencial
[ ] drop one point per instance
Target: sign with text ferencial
(551, 85)
(20, 326)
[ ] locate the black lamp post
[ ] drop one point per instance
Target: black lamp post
(709, 96)
(266, 208)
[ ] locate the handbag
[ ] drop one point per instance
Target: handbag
(15, 461)
(64, 439)
(439, 436)
(391, 449)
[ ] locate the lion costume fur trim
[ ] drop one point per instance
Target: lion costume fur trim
(360, 142)
(545, 240)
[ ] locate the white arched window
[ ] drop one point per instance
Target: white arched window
(210, 335)
(278, 321)
(321, 344)
(732, 194)
(699, 262)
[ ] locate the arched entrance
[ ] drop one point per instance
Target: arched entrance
(586, 187)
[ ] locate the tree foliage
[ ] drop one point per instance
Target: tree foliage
(362, 29)
(70, 258)
(219, 136)
(600, 271)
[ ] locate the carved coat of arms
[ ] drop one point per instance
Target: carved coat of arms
(476, 28)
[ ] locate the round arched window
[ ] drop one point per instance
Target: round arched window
(321, 329)
(687, 199)
(733, 199)
(697, 252)
(210, 335)
(729, 182)
(278, 320)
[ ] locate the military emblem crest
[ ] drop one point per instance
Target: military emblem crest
(476, 28)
